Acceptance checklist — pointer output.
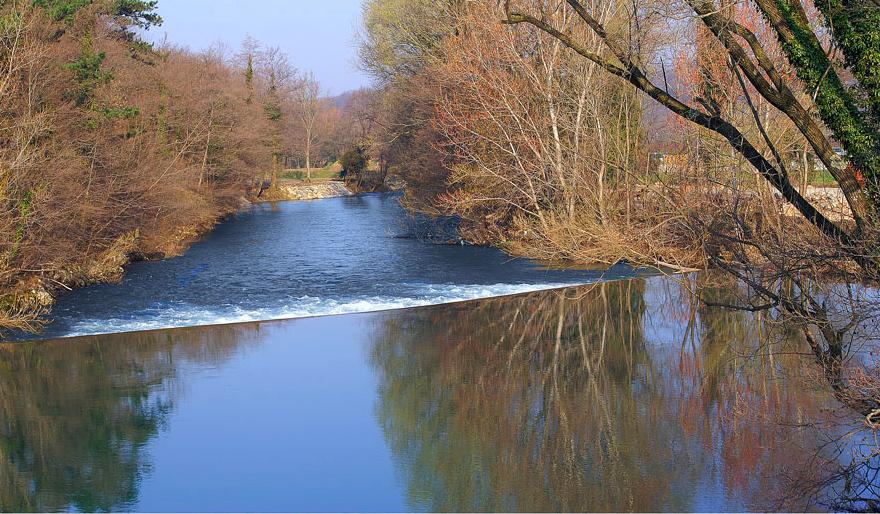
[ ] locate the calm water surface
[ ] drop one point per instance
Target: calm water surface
(294, 259)
(617, 396)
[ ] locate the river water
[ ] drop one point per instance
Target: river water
(294, 259)
(613, 396)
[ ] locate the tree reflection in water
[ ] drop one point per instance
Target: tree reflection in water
(629, 396)
(620, 396)
(75, 416)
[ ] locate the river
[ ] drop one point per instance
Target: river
(295, 259)
(612, 396)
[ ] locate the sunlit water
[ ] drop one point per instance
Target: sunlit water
(613, 397)
(295, 259)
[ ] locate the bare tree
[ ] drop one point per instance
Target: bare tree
(308, 96)
(153, 152)
(617, 58)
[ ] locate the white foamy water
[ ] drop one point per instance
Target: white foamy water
(178, 316)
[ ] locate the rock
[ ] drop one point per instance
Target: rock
(829, 200)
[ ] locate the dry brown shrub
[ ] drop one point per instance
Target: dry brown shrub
(138, 162)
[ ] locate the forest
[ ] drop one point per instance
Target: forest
(663, 134)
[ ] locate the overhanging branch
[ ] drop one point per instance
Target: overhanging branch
(633, 74)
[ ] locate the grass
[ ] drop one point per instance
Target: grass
(329, 172)
(822, 178)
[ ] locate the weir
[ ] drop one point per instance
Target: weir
(294, 259)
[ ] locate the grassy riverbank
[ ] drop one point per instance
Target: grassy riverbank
(24, 305)
(329, 172)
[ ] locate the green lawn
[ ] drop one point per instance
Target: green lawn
(329, 172)
(822, 178)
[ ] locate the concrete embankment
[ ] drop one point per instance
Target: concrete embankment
(296, 190)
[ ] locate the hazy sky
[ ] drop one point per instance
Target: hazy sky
(317, 34)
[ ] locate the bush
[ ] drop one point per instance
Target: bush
(354, 162)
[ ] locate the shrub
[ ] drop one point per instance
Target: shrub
(354, 162)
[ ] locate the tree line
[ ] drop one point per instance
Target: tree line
(561, 114)
(112, 148)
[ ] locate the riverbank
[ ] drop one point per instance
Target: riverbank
(26, 302)
(24, 305)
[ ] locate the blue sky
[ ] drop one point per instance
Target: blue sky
(317, 34)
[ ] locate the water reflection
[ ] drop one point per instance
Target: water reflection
(619, 396)
(76, 417)
(590, 401)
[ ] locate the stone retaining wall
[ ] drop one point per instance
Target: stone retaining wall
(306, 191)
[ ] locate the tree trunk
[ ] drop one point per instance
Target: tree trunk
(308, 156)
